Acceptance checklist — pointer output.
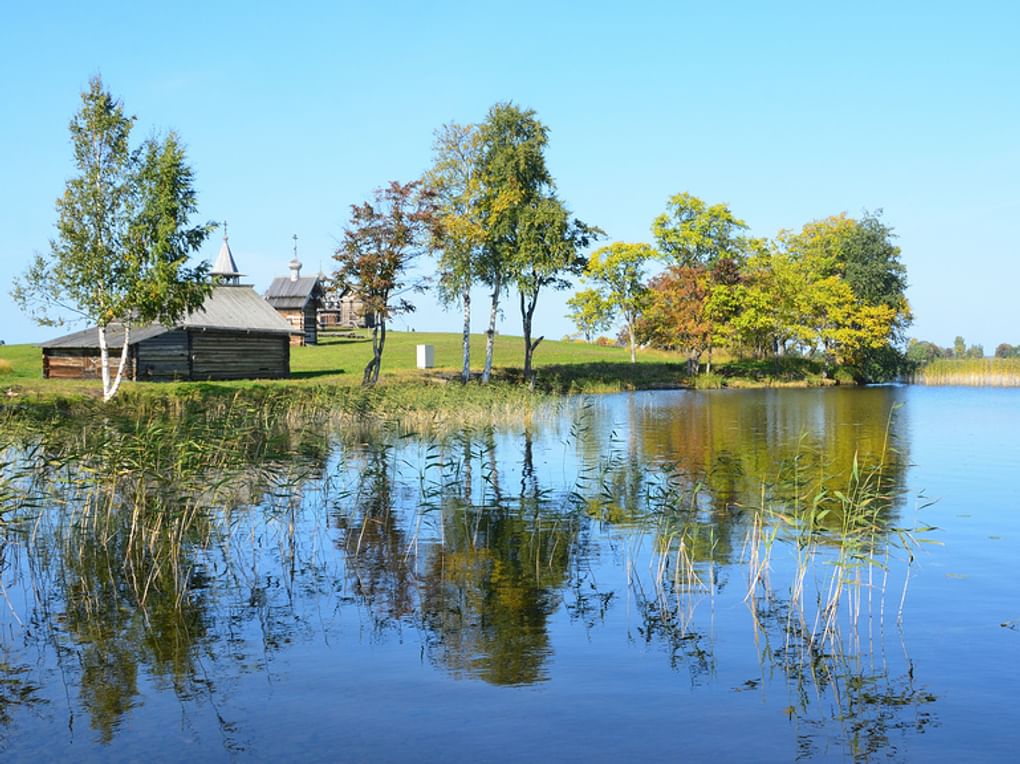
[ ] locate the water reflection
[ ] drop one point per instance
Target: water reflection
(165, 564)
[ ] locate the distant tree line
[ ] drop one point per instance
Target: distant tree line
(920, 352)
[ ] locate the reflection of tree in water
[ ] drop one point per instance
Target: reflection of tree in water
(125, 608)
(705, 459)
(475, 550)
(378, 558)
(485, 584)
(490, 589)
(116, 560)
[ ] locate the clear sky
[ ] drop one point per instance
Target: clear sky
(788, 112)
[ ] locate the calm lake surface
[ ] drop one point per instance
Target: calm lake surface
(656, 574)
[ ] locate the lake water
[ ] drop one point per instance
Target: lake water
(658, 574)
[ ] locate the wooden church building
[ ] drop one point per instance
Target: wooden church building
(298, 299)
(234, 335)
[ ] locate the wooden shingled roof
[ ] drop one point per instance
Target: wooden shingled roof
(228, 308)
(289, 293)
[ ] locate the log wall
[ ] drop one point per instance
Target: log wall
(181, 354)
(223, 355)
(164, 358)
(82, 363)
(305, 321)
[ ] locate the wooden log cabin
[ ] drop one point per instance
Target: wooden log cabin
(345, 309)
(234, 335)
(298, 299)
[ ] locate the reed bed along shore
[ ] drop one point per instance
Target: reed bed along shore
(972, 372)
(218, 408)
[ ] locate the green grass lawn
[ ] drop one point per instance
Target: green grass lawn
(19, 363)
(562, 365)
(349, 356)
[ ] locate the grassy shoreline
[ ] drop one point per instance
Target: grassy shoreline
(328, 376)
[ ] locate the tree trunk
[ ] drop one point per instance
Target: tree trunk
(120, 367)
(633, 348)
(527, 314)
(708, 366)
(490, 335)
(104, 362)
(371, 375)
(465, 374)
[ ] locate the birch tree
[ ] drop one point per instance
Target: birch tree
(454, 177)
(513, 179)
(549, 252)
(120, 257)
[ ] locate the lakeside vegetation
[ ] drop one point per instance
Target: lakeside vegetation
(488, 211)
(974, 372)
(327, 373)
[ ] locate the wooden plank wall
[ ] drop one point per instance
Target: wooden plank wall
(82, 363)
(295, 317)
(224, 355)
(164, 358)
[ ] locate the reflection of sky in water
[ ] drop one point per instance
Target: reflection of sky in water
(458, 599)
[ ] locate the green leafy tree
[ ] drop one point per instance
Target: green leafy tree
(920, 352)
(617, 271)
(959, 347)
(861, 253)
(675, 316)
(123, 235)
(514, 179)
(590, 313)
(1005, 350)
(384, 237)
(454, 177)
(694, 233)
(550, 246)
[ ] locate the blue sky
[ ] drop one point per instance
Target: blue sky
(786, 111)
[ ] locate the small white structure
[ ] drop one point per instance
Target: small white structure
(426, 356)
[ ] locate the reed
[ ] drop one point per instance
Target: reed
(972, 372)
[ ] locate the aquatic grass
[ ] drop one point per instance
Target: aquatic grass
(976, 372)
(843, 535)
(708, 381)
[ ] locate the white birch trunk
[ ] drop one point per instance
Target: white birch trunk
(490, 338)
(466, 372)
(104, 363)
(123, 363)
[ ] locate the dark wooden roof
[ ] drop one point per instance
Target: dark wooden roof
(228, 308)
(286, 293)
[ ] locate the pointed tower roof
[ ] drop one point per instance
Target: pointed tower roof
(225, 267)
